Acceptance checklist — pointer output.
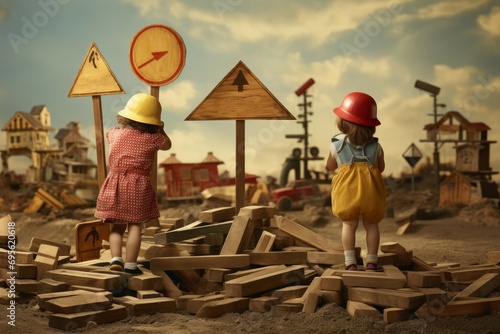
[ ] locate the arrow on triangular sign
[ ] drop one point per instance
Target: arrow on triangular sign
(95, 77)
(225, 102)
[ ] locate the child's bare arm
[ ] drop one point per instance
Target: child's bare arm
(168, 143)
(331, 164)
(381, 161)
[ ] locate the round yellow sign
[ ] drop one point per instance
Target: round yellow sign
(157, 54)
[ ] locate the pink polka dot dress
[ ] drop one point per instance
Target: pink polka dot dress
(127, 196)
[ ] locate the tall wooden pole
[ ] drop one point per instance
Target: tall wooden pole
(155, 91)
(99, 139)
(240, 164)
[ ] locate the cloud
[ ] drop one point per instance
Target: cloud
(442, 9)
(3, 14)
(179, 96)
(489, 23)
(232, 20)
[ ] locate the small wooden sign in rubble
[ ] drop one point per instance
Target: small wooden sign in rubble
(211, 285)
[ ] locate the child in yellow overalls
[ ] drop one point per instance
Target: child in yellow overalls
(358, 188)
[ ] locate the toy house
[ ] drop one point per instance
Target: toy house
(28, 135)
(186, 180)
(472, 177)
(72, 163)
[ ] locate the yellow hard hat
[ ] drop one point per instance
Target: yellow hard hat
(143, 108)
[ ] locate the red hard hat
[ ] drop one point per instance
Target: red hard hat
(358, 108)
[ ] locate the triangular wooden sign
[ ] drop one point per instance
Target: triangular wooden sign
(240, 96)
(95, 77)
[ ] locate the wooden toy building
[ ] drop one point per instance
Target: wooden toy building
(28, 135)
(188, 180)
(473, 173)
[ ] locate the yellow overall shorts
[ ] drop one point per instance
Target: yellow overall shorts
(358, 188)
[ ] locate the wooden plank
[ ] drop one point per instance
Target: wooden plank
(331, 283)
(359, 309)
(265, 242)
(256, 212)
(244, 286)
(289, 292)
(217, 308)
(493, 257)
(217, 214)
(35, 243)
(49, 199)
(74, 277)
(404, 258)
(471, 307)
(145, 294)
(195, 304)
(185, 234)
(182, 301)
(145, 282)
(470, 273)
(43, 298)
(391, 278)
(46, 259)
(395, 314)
(325, 258)
(262, 304)
(308, 236)
(481, 287)
(280, 257)
(199, 262)
(238, 236)
(386, 297)
(47, 285)
(423, 279)
(78, 303)
(68, 322)
(138, 307)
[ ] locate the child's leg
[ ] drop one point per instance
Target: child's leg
(349, 241)
(372, 241)
(116, 239)
(133, 242)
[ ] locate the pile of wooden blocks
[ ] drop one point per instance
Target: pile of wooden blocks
(253, 261)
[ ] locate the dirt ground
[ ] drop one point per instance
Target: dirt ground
(462, 235)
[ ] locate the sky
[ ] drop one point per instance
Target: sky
(377, 47)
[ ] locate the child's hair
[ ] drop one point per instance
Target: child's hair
(357, 134)
(143, 127)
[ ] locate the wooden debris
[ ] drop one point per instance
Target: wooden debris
(217, 308)
(81, 319)
(217, 214)
(46, 259)
(308, 236)
(358, 309)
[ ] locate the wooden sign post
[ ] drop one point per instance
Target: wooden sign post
(240, 96)
(95, 78)
(157, 56)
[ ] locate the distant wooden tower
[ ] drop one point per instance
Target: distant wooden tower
(472, 165)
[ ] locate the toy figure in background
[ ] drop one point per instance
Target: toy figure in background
(127, 198)
(358, 188)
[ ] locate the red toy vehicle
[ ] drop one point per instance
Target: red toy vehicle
(295, 193)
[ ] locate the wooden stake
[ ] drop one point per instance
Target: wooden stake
(240, 164)
(99, 139)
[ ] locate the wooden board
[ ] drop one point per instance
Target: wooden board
(199, 262)
(68, 322)
(217, 308)
(238, 236)
(73, 277)
(88, 239)
(391, 278)
(240, 95)
(265, 242)
(200, 230)
(247, 286)
(150, 306)
(280, 257)
(64, 249)
(387, 298)
(481, 287)
(359, 309)
(95, 77)
(308, 236)
(217, 214)
(46, 260)
(78, 303)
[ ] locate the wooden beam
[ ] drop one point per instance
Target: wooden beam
(387, 298)
(217, 308)
(245, 286)
(184, 233)
(308, 236)
(217, 215)
(46, 259)
(238, 236)
(199, 262)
